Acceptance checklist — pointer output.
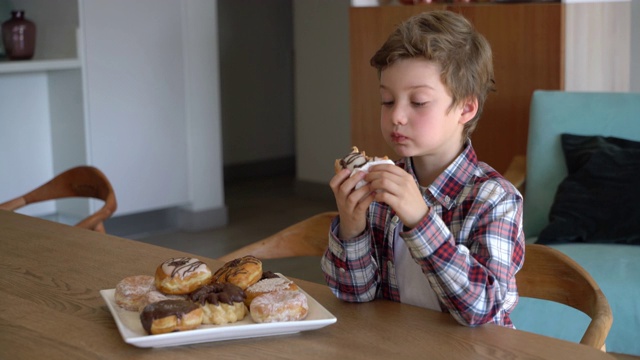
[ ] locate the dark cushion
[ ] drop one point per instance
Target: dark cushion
(599, 200)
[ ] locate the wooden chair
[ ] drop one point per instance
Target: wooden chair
(517, 171)
(308, 237)
(81, 181)
(548, 274)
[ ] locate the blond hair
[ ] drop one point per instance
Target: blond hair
(448, 39)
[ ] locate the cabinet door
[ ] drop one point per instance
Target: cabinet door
(135, 99)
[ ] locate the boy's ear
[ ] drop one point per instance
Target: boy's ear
(469, 110)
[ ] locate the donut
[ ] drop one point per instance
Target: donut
(267, 285)
(155, 296)
(131, 291)
(170, 315)
(242, 272)
(183, 275)
(221, 303)
(358, 160)
(279, 306)
(351, 161)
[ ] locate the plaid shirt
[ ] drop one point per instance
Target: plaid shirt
(470, 245)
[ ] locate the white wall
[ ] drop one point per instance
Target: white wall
(256, 62)
(635, 46)
(32, 138)
(597, 38)
(322, 93)
(25, 137)
(202, 96)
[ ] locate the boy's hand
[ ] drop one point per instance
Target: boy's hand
(352, 204)
(394, 186)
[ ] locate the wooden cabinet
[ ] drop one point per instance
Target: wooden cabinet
(529, 50)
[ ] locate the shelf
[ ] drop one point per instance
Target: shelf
(11, 67)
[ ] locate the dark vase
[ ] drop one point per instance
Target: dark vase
(19, 37)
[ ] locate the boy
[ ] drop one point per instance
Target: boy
(439, 229)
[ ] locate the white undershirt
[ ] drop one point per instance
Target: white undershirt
(412, 283)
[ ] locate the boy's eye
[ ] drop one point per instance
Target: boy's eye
(417, 103)
(387, 103)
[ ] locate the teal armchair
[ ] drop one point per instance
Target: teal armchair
(615, 267)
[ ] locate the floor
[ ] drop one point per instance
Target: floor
(257, 208)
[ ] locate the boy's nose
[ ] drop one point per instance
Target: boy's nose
(398, 116)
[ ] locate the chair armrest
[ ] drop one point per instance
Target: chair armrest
(516, 172)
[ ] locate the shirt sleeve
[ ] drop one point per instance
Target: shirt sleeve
(349, 267)
(474, 275)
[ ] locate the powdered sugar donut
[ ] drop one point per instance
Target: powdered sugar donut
(279, 306)
(131, 291)
(267, 285)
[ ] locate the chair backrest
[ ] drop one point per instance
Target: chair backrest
(581, 113)
(81, 181)
(308, 237)
(549, 274)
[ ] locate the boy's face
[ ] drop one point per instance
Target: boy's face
(415, 116)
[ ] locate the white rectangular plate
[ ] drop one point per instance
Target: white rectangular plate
(130, 328)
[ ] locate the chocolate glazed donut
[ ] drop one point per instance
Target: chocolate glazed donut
(218, 293)
(220, 303)
(242, 272)
(170, 315)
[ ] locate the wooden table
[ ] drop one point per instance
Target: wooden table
(50, 307)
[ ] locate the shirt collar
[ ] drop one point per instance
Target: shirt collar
(447, 187)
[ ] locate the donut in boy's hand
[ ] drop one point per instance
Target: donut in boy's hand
(359, 161)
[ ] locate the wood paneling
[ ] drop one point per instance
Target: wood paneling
(527, 44)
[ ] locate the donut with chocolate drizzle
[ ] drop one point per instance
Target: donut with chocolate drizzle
(356, 159)
(178, 276)
(242, 272)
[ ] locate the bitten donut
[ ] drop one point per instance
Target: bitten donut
(242, 272)
(181, 275)
(267, 285)
(131, 291)
(359, 161)
(220, 303)
(170, 315)
(279, 306)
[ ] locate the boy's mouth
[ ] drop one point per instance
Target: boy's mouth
(398, 138)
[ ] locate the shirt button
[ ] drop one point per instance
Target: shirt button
(395, 219)
(342, 270)
(447, 199)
